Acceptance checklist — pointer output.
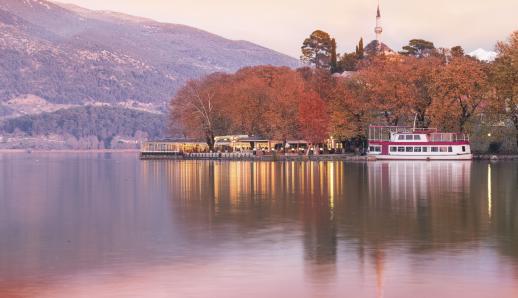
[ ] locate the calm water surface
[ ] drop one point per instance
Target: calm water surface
(109, 225)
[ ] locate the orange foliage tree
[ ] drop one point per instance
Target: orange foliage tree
(351, 110)
(421, 79)
(273, 102)
(504, 80)
(198, 109)
(387, 84)
(313, 118)
(460, 90)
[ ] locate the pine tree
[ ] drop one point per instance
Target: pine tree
(418, 48)
(317, 50)
(457, 51)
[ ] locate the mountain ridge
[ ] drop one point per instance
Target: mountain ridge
(67, 54)
(483, 54)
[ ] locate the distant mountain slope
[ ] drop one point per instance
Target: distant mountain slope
(70, 55)
(483, 55)
(103, 124)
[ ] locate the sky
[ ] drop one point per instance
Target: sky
(282, 25)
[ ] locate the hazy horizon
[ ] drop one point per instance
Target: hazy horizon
(282, 26)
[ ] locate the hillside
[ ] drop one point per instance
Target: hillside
(82, 128)
(76, 78)
(70, 55)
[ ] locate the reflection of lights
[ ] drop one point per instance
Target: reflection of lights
(331, 182)
(311, 177)
(489, 198)
(380, 270)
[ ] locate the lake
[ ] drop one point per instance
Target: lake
(110, 225)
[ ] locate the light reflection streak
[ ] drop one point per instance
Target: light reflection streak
(489, 198)
(331, 185)
(380, 270)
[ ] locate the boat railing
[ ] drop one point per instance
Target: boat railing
(448, 137)
(383, 133)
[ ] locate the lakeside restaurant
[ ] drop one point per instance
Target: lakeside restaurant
(224, 144)
(173, 147)
(238, 143)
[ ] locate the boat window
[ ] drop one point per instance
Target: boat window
(435, 149)
(443, 149)
(417, 137)
(401, 149)
(393, 149)
(409, 149)
(463, 148)
(401, 137)
(409, 137)
(417, 149)
(371, 148)
(425, 149)
(450, 149)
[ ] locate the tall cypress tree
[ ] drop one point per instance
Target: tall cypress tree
(359, 49)
(333, 63)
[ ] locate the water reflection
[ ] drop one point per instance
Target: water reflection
(190, 228)
(489, 191)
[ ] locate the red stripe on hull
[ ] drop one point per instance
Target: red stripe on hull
(387, 143)
(431, 157)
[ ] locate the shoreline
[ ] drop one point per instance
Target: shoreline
(323, 157)
(30, 151)
(330, 157)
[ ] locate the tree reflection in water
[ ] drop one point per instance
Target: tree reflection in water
(379, 228)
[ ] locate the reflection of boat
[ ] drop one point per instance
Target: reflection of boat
(411, 180)
(397, 142)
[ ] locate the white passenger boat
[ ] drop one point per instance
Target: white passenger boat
(408, 143)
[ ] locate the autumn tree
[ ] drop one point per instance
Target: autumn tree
(459, 91)
(320, 81)
(348, 62)
(504, 79)
(314, 108)
(248, 100)
(198, 109)
(313, 118)
(421, 76)
(264, 100)
(286, 89)
(418, 48)
(317, 50)
(351, 110)
(388, 88)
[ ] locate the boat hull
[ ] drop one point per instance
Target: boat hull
(424, 157)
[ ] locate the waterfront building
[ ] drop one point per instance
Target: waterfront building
(173, 147)
(233, 143)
